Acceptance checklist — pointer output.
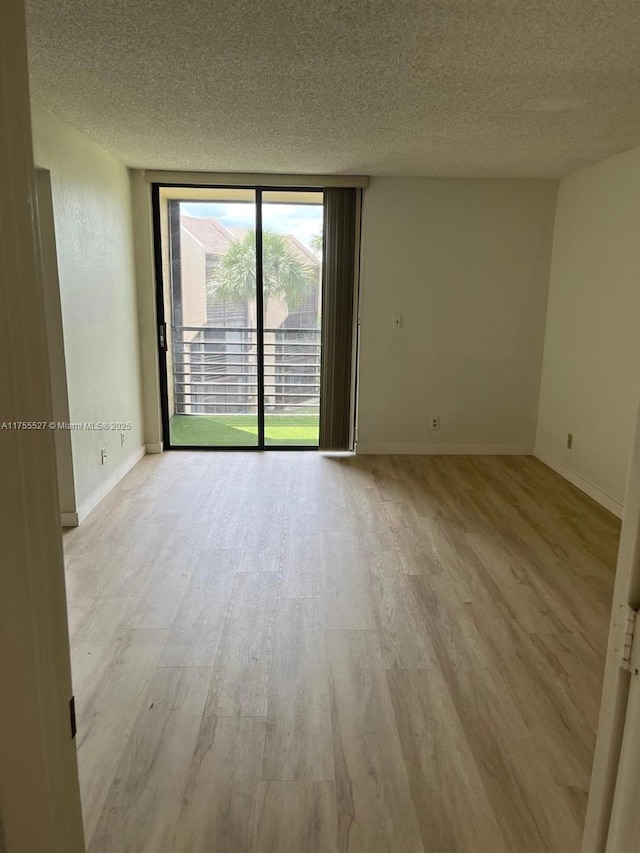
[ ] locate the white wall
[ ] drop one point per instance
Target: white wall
(591, 367)
(92, 210)
(466, 264)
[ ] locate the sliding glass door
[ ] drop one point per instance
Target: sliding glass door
(292, 311)
(240, 316)
(212, 333)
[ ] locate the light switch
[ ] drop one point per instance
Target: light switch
(397, 321)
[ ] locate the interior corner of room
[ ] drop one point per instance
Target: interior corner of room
(404, 640)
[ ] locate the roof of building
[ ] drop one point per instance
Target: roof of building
(306, 253)
(216, 237)
(210, 232)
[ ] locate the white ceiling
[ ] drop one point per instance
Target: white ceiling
(402, 87)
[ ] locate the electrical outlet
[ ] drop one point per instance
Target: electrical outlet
(569, 440)
(103, 455)
(434, 423)
(122, 439)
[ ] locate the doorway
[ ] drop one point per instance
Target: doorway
(46, 242)
(240, 306)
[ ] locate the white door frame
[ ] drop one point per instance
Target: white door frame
(40, 798)
(624, 826)
(615, 691)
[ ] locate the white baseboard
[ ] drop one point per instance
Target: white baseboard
(103, 490)
(446, 449)
(69, 519)
(154, 448)
(580, 482)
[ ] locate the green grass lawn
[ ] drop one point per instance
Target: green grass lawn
(242, 430)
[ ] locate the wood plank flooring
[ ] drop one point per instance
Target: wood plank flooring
(297, 653)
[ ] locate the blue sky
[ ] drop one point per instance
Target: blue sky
(301, 220)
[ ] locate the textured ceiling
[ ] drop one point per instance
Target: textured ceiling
(474, 87)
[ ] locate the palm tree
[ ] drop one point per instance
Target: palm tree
(285, 275)
(317, 243)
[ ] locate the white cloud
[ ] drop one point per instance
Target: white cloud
(301, 220)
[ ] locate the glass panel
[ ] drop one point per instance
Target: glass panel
(213, 359)
(292, 273)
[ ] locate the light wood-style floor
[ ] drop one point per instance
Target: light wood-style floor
(290, 653)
